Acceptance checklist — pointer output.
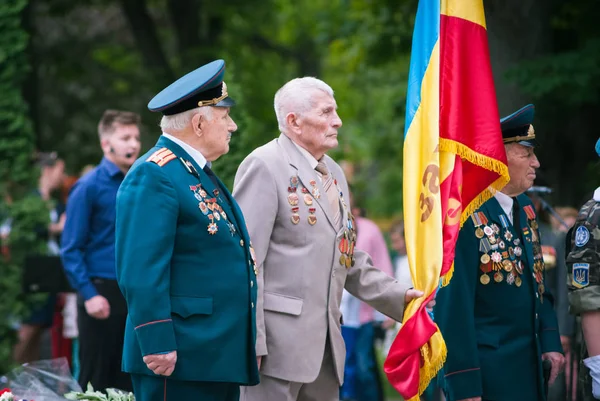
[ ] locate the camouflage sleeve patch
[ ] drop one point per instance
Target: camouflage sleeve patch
(161, 157)
(584, 300)
(583, 261)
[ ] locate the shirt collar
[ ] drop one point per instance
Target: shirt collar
(310, 158)
(110, 167)
(196, 155)
(506, 203)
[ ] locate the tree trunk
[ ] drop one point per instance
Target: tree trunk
(144, 32)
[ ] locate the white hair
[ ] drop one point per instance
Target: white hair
(295, 97)
(178, 122)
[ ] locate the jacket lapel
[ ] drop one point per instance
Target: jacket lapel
(232, 209)
(526, 235)
(204, 180)
(307, 175)
(495, 210)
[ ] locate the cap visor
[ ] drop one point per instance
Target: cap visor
(530, 144)
(227, 102)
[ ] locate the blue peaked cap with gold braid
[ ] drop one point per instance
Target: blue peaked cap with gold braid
(202, 87)
(518, 127)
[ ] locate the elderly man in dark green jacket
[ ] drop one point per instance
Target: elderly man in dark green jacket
(496, 315)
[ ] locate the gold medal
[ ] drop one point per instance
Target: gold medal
(518, 281)
(308, 200)
(295, 218)
(541, 288)
(343, 260)
(312, 219)
(507, 265)
(479, 233)
(293, 199)
(498, 277)
(484, 279)
(485, 259)
(348, 262)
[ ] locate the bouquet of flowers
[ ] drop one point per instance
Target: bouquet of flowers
(91, 395)
(6, 395)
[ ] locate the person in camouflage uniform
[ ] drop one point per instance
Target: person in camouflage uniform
(583, 266)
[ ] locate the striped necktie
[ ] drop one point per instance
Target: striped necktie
(332, 193)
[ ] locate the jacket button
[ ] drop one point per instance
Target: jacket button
(241, 242)
(251, 284)
(536, 315)
(253, 304)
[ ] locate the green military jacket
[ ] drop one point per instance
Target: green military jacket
(496, 316)
(583, 267)
(186, 268)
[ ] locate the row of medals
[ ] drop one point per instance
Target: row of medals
(501, 259)
(211, 209)
(346, 245)
(538, 257)
(294, 200)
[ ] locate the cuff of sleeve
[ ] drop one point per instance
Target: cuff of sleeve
(156, 337)
(464, 384)
(88, 291)
(261, 346)
(584, 300)
(550, 341)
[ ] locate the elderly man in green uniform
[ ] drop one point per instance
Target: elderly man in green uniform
(496, 315)
(583, 264)
(184, 260)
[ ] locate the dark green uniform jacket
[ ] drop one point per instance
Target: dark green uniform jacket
(186, 269)
(495, 315)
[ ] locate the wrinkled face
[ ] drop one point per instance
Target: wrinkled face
(216, 133)
(319, 126)
(122, 147)
(522, 163)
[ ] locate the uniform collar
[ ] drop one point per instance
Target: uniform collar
(196, 155)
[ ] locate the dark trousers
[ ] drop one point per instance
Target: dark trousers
(361, 373)
(156, 388)
(101, 341)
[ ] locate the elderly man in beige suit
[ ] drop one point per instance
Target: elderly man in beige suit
(294, 199)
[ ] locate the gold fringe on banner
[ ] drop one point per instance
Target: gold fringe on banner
(483, 161)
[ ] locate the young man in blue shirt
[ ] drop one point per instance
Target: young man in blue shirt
(88, 253)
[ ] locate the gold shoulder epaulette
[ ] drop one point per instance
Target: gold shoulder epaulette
(161, 157)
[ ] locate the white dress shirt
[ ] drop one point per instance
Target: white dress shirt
(196, 155)
(506, 203)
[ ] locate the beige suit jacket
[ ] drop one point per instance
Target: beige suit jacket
(301, 280)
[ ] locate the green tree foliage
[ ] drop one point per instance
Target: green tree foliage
(563, 81)
(16, 175)
(103, 54)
